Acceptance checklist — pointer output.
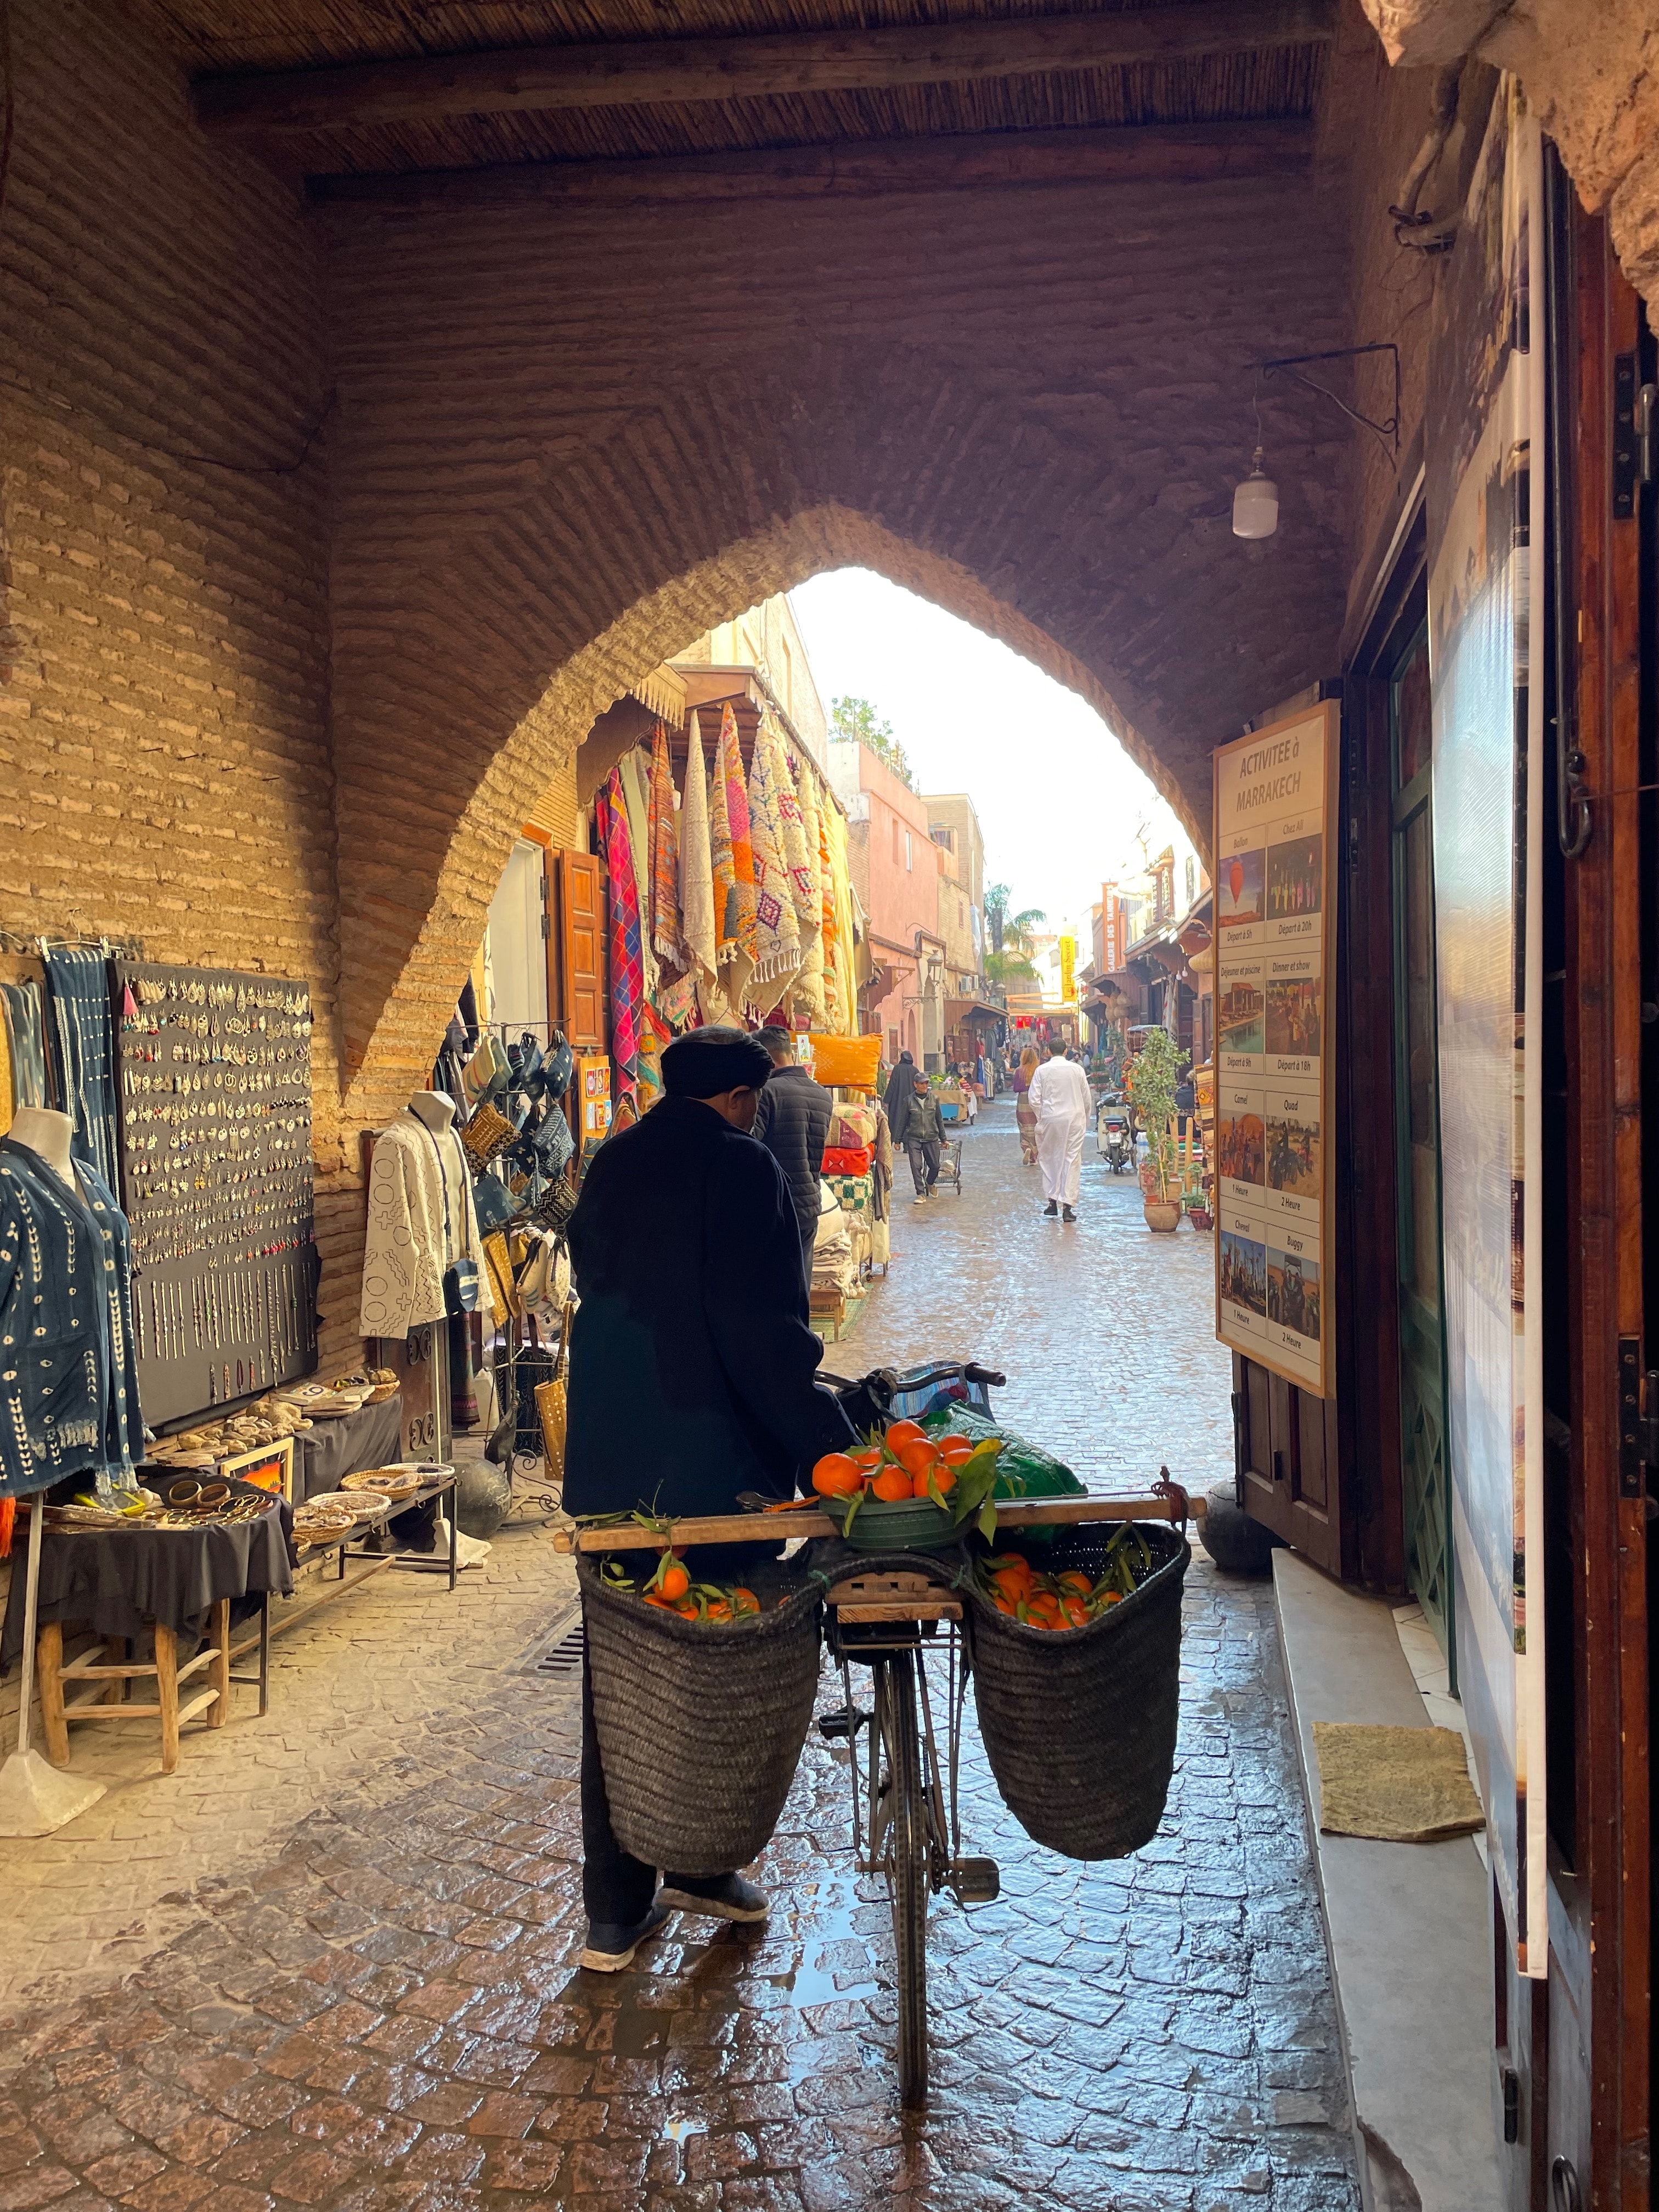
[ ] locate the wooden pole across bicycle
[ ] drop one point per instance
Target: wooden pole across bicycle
(781, 1527)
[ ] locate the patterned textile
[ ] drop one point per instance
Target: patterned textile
(78, 982)
(637, 804)
(809, 982)
(697, 868)
(415, 1232)
(733, 854)
(840, 952)
(6, 1104)
(627, 969)
(26, 1037)
(854, 1192)
(69, 1389)
(791, 823)
(832, 1011)
(777, 933)
(665, 935)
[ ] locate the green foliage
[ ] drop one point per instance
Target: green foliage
(855, 721)
(1020, 929)
(996, 914)
(1158, 1069)
(1006, 968)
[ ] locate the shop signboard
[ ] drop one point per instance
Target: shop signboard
(1485, 603)
(1068, 972)
(1275, 799)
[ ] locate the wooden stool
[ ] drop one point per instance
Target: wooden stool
(109, 1702)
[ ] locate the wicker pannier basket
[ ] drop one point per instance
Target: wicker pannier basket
(1079, 1726)
(699, 1724)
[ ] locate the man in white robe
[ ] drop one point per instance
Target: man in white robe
(1060, 1093)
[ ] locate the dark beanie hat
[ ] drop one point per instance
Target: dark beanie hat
(704, 1062)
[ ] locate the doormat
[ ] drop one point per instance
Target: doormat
(1399, 1786)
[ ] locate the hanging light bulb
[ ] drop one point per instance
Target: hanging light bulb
(1255, 503)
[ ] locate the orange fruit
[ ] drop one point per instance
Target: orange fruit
(1006, 1605)
(1076, 1613)
(892, 1484)
(956, 1446)
(662, 1604)
(1073, 1580)
(673, 1582)
(744, 1601)
(871, 1457)
(945, 1477)
(917, 1457)
(903, 1433)
(718, 1610)
(836, 1476)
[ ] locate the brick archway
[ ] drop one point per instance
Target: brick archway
(569, 439)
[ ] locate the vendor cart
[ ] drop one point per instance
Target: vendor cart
(894, 1616)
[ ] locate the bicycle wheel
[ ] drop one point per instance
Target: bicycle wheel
(908, 1862)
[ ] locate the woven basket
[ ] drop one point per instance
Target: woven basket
(1079, 1726)
(699, 1724)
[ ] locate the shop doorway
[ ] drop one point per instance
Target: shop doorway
(1425, 1479)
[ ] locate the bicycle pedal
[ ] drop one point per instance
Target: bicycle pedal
(837, 1727)
(976, 1882)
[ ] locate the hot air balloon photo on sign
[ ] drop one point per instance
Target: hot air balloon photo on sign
(1274, 1198)
(1244, 880)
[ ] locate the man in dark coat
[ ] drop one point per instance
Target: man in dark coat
(692, 1378)
(901, 1089)
(792, 1122)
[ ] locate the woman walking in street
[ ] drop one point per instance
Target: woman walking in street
(1024, 1111)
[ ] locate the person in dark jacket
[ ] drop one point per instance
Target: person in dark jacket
(692, 1378)
(901, 1089)
(792, 1122)
(924, 1137)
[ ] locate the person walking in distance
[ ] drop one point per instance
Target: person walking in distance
(1024, 1111)
(924, 1138)
(1059, 1093)
(792, 1122)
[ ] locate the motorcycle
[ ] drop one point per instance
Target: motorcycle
(1115, 1138)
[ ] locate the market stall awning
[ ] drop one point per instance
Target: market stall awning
(959, 1011)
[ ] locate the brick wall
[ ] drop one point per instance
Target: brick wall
(164, 767)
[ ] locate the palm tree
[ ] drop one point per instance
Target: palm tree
(996, 913)
(1020, 929)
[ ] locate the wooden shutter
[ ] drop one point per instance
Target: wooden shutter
(581, 951)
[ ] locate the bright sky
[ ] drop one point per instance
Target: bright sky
(1059, 800)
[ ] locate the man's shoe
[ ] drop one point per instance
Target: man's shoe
(921, 1199)
(1049, 1210)
(1066, 1214)
(609, 1949)
(722, 1897)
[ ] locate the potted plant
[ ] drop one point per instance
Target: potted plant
(1157, 1069)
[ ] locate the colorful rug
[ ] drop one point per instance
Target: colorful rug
(665, 932)
(627, 970)
(777, 933)
(733, 854)
(697, 928)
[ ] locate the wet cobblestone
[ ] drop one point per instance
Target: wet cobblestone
(382, 2010)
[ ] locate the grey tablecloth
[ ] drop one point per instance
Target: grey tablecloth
(345, 1444)
(115, 1582)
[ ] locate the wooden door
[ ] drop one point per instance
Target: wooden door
(1425, 1479)
(1286, 1445)
(581, 951)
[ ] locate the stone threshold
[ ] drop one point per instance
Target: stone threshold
(1408, 1925)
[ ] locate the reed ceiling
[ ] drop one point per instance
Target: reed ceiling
(215, 38)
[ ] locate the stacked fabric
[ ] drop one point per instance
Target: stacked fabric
(854, 1192)
(846, 1160)
(835, 1262)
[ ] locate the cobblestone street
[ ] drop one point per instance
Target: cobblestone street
(330, 1962)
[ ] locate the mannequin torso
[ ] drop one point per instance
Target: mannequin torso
(435, 1107)
(47, 1135)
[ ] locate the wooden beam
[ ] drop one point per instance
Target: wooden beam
(1178, 153)
(657, 71)
(781, 1527)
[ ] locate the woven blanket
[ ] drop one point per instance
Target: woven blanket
(697, 868)
(636, 802)
(732, 855)
(627, 972)
(777, 933)
(809, 982)
(665, 932)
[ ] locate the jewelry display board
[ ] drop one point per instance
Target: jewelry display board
(214, 1093)
(1275, 804)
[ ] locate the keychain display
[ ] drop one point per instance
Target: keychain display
(214, 1090)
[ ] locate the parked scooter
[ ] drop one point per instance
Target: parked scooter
(1114, 1137)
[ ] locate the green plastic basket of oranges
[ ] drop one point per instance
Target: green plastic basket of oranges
(905, 1491)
